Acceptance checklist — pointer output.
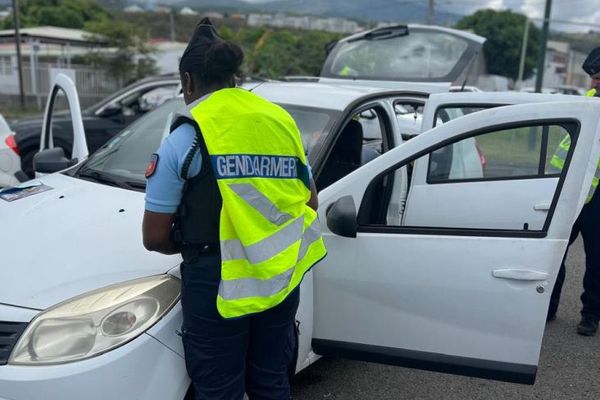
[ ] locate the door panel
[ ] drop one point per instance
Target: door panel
(441, 298)
(63, 84)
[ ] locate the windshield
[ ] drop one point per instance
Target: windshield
(126, 156)
(422, 55)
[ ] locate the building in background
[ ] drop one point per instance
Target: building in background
(47, 50)
(340, 25)
(563, 67)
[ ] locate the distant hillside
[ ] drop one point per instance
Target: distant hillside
(360, 10)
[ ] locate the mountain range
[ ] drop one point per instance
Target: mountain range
(360, 10)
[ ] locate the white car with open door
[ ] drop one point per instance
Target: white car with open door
(10, 160)
(91, 314)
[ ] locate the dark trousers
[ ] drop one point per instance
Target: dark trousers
(588, 225)
(227, 357)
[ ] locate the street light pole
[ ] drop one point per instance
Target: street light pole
(523, 54)
(18, 44)
(431, 12)
(539, 81)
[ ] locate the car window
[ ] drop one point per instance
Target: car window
(420, 55)
(313, 123)
(506, 153)
(410, 118)
(126, 155)
(364, 137)
(449, 113)
(461, 177)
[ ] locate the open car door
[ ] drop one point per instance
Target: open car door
(50, 158)
(511, 157)
(469, 300)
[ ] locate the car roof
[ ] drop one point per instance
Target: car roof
(334, 94)
(312, 94)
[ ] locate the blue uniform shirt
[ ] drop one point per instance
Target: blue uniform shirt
(164, 188)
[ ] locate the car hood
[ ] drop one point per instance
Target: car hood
(74, 238)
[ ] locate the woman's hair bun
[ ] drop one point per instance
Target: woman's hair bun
(223, 59)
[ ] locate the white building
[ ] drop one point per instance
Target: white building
(187, 11)
(133, 9)
(304, 22)
(45, 50)
(562, 67)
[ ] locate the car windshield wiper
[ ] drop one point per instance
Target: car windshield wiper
(101, 177)
(384, 33)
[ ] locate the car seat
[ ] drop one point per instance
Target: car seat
(345, 156)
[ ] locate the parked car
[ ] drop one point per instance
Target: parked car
(10, 162)
(102, 120)
(458, 283)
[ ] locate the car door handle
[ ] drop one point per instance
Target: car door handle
(542, 207)
(520, 274)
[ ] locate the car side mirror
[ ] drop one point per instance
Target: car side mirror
(341, 217)
(52, 160)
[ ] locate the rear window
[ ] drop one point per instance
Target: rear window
(422, 55)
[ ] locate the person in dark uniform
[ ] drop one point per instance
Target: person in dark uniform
(230, 189)
(588, 225)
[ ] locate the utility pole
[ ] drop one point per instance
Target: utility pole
(539, 81)
(172, 23)
(18, 45)
(523, 53)
(431, 12)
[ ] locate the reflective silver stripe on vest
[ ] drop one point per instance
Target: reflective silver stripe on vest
(562, 153)
(310, 235)
(249, 287)
(267, 248)
(595, 181)
(260, 202)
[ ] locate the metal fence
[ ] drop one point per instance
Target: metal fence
(92, 84)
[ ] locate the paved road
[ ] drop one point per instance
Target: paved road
(569, 366)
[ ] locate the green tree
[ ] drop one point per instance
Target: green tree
(504, 32)
(62, 13)
(132, 58)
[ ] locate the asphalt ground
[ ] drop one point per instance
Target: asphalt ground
(569, 367)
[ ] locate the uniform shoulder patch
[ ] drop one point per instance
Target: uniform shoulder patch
(151, 168)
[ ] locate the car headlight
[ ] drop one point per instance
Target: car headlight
(96, 322)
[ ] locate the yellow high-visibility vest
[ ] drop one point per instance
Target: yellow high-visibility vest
(591, 93)
(269, 237)
(558, 162)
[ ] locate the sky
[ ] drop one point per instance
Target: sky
(578, 12)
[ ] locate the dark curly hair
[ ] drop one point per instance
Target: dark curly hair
(210, 59)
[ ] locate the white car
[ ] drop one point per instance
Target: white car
(10, 161)
(425, 270)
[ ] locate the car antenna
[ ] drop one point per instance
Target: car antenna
(468, 72)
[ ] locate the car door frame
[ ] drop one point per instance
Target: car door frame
(65, 83)
(562, 214)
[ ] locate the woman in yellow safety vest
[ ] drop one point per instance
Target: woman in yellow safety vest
(587, 224)
(231, 190)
